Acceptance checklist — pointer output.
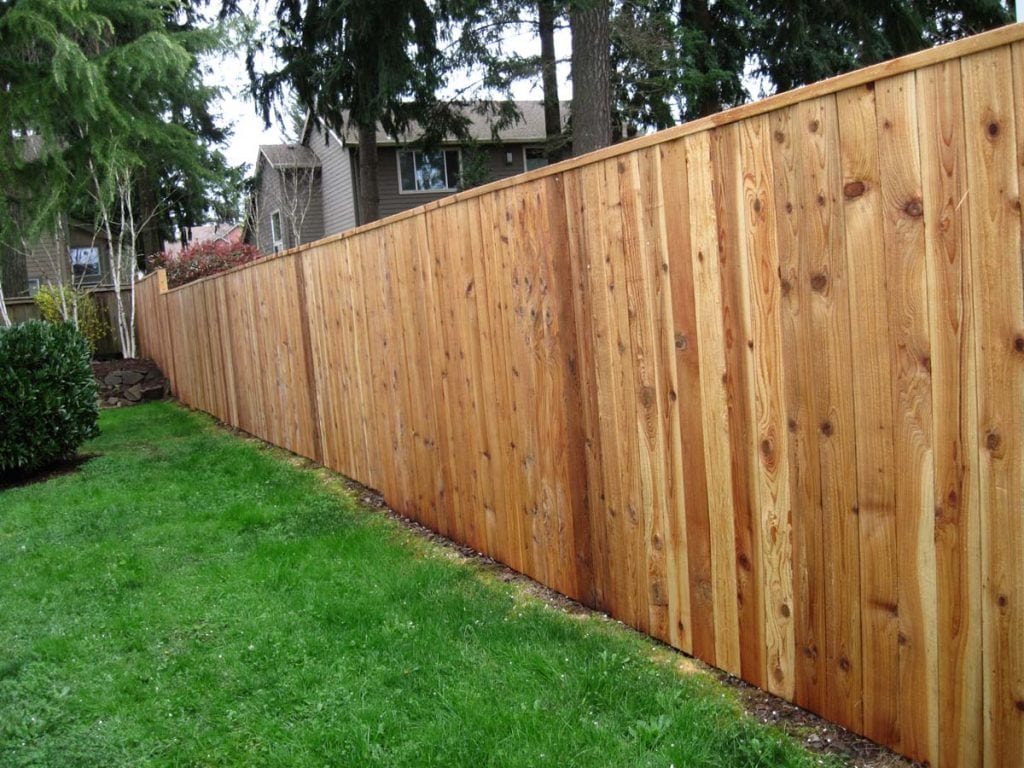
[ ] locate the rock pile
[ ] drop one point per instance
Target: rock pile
(127, 382)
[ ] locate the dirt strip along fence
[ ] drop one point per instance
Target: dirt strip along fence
(754, 385)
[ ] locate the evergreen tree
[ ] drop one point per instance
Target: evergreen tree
(89, 89)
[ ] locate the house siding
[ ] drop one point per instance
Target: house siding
(338, 191)
(392, 200)
(301, 207)
(268, 200)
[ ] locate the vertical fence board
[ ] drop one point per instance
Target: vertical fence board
(707, 282)
(587, 346)
(668, 539)
(954, 415)
(768, 440)
(798, 243)
(829, 282)
(993, 204)
(910, 358)
(872, 400)
(738, 338)
(699, 636)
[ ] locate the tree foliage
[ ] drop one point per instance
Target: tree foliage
(87, 88)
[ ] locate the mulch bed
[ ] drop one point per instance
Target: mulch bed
(63, 467)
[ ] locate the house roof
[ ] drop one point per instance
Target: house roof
(289, 156)
(529, 127)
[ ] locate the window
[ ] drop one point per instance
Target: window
(34, 284)
(85, 263)
(429, 171)
(533, 158)
(275, 231)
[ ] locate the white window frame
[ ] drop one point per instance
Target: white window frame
(398, 169)
(526, 169)
(277, 238)
(34, 284)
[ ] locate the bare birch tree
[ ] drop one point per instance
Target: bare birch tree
(297, 188)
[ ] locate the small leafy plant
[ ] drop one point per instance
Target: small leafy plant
(66, 304)
(202, 260)
(48, 405)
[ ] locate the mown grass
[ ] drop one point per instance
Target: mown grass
(193, 599)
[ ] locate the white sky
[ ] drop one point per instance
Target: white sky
(249, 132)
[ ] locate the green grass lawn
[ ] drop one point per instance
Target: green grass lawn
(189, 598)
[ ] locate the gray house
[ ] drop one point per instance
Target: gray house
(306, 191)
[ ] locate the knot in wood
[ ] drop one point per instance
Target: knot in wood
(758, 205)
(854, 189)
(779, 136)
(813, 126)
(993, 129)
(818, 281)
(993, 440)
(681, 341)
(914, 208)
(826, 428)
(1018, 343)
(784, 610)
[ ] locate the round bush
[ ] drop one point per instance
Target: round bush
(48, 403)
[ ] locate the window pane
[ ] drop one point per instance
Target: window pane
(85, 262)
(407, 171)
(275, 226)
(451, 161)
(430, 171)
(535, 158)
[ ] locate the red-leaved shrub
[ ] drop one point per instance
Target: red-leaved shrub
(202, 259)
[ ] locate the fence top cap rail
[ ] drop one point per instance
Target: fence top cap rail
(995, 38)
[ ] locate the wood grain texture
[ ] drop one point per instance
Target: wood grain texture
(707, 286)
(699, 636)
(738, 385)
(954, 415)
(752, 385)
(873, 412)
(910, 358)
(993, 204)
(770, 435)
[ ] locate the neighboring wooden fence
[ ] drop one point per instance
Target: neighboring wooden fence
(23, 308)
(754, 385)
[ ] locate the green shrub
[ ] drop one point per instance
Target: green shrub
(58, 304)
(48, 403)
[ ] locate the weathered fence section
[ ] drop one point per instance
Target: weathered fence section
(754, 385)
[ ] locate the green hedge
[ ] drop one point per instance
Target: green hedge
(48, 403)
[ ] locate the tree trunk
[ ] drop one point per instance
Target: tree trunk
(150, 242)
(369, 193)
(707, 100)
(591, 75)
(547, 14)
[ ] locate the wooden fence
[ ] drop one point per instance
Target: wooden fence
(754, 385)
